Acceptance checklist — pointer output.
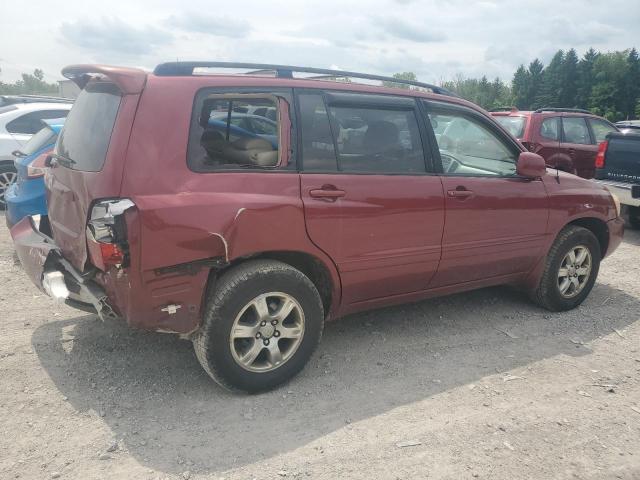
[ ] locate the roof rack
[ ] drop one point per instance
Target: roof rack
(286, 71)
(568, 110)
(23, 98)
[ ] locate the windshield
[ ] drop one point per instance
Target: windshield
(84, 141)
(44, 137)
(514, 125)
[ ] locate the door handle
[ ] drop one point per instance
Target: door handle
(572, 152)
(461, 193)
(327, 192)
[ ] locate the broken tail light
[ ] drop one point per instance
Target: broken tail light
(107, 234)
(602, 152)
(36, 168)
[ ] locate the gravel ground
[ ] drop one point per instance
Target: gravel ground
(479, 385)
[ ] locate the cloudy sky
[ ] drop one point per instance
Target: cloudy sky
(435, 39)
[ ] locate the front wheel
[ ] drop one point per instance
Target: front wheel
(263, 321)
(570, 271)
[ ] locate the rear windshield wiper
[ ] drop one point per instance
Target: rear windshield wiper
(64, 161)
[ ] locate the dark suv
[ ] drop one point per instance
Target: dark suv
(567, 138)
(363, 197)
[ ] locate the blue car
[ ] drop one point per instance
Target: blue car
(27, 195)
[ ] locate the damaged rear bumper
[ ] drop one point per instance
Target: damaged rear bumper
(54, 275)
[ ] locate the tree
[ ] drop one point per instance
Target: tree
(401, 76)
(586, 77)
(536, 69)
(569, 93)
(33, 84)
(520, 88)
(632, 84)
(551, 84)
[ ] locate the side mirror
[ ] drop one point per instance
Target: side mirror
(531, 165)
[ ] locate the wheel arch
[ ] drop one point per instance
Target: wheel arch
(596, 226)
(324, 277)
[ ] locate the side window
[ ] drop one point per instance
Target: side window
(575, 130)
(469, 147)
(226, 136)
(27, 124)
(600, 129)
(30, 123)
(550, 128)
(318, 153)
(376, 140)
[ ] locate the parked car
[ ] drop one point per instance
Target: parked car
(567, 138)
(618, 168)
(13, 99)
(629, 126)
(245, 125)
(27, 195)
(18, 123)
(248, 249)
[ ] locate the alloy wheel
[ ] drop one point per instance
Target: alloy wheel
(6, 179)
(574, 271)
(267, 332)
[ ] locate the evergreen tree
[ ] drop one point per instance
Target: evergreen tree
(536, 69)
(586, 77)
(632, 84)
(569, 94)
(520, 88)
(551, 85)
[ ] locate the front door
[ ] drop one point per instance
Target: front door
(369, 200)
(495, 221)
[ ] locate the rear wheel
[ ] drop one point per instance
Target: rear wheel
(263, 321)
(8, 176)
(570, 271)
(634, 217)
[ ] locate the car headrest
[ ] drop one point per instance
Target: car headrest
(381, 136)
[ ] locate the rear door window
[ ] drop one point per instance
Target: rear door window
(228, 137)
(376, 140)
(574, 130)
(85, 138)
(550, 128)
(600, 129)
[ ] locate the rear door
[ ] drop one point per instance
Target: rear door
(495, 220)
(547, 140)
(370, 202)
(578, 144)
(87, 163)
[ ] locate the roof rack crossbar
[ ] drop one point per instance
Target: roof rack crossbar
(568, 110)
(504, 109)
(286, 71)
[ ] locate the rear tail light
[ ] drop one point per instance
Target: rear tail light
(602, 153)
(37, 168)
(107, 234)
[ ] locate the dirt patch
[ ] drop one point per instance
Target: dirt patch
(480, 385)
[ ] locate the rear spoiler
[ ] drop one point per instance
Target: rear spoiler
(128, 80)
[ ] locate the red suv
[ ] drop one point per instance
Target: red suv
(169, 210)
(567, 138)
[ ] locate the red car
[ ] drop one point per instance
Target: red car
(366, 197)
(567, 138)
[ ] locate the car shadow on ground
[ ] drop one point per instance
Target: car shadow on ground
(170, 416)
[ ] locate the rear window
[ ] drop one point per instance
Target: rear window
(44, 137)
(227, 136)
(514, 125)
(84, 140)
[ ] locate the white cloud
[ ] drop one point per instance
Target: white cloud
(435, 39)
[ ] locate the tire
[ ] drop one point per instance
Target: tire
(548, 294)
(8, 175)
(634, 217)
(233, 306)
